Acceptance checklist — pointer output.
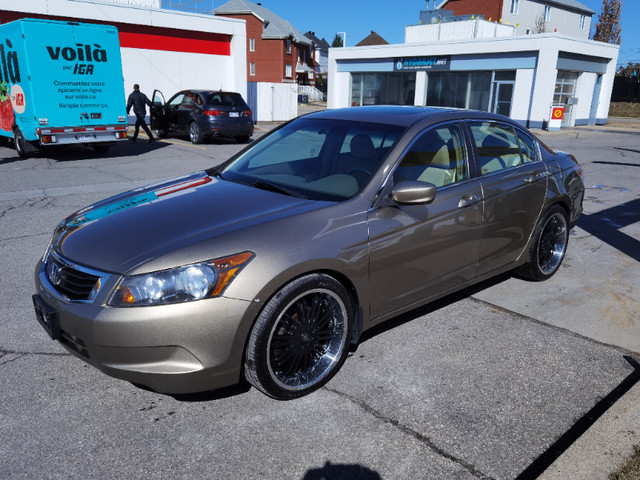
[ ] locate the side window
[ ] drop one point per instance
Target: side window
(527, 147)
(497, 145)
(177, 100)
(437, 156)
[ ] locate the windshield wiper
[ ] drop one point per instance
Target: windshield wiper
(261, 184)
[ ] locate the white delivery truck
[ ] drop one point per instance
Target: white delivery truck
(61, 83)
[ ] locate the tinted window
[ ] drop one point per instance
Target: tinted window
(497, 144)
(225, 99)
(527, 147)
(437, 156)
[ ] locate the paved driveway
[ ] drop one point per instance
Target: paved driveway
(495, 382)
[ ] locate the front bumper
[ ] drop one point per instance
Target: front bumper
(182, 348)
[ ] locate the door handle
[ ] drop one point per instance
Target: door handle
(468, 200)
(534, 177)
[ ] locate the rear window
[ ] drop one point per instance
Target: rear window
(224, 99)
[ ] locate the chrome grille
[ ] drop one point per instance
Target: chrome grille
(69, 280)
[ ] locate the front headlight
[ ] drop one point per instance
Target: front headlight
(181, 284)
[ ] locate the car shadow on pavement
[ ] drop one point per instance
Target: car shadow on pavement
(337, 471)
(219, 394)
(607, 225)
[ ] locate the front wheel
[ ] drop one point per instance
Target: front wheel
(195, 134)
(20, 143)
(548, 246)
(301, 337)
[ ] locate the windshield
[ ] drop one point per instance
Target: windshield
(315, 158)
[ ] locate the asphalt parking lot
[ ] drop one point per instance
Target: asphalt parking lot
(509, 379)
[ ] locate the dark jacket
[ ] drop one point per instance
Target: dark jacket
(138, 100)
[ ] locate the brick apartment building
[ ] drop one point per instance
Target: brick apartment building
(276, 51)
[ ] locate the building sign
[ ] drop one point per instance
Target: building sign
(439, 63)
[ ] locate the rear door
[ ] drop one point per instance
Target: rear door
(514, 185)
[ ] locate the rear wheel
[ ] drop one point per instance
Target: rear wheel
(243, 139)
(195, 134)
(301, 338)
(548, 246)
(161, 133)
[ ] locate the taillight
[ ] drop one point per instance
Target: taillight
(215, 113)
(247, 113)
(577, 168)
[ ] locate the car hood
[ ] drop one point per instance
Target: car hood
(127, 230)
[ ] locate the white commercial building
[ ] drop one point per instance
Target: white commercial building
(522, 77)
(161, 49)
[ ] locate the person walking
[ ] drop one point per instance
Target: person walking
(139, 101)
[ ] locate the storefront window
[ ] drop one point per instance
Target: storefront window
(383, 88)
(488, 91)
(459, 89)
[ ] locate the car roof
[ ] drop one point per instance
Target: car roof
(205, 92)
(404, 116)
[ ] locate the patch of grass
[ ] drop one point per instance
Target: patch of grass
(630, 470)
(624, 109)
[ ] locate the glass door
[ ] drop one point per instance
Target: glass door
(563, 95)
(502, 97)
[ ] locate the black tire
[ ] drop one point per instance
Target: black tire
(20, 143)
(548, 246)
(301, 338)
(161, 133)
(195, 134)
(243, 139)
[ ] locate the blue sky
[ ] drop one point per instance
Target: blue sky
(357, 18)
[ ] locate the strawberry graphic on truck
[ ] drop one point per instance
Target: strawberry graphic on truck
(61, 83)
(6, 109)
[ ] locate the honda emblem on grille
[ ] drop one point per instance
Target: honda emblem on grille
(55, 275)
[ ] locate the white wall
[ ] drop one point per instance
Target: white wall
(160, 69)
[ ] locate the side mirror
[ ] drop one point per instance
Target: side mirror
(412, 192)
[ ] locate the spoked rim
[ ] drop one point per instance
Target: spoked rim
(307, 340)
(194, 131)
(553, 243)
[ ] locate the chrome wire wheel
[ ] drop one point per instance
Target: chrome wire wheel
(307, 340)
(552, 244)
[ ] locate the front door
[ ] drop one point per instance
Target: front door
(417, 251)
(158, 113)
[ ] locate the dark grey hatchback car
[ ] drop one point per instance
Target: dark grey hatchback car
(269, 266)
(202, 114)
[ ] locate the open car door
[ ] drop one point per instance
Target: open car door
(159, 114)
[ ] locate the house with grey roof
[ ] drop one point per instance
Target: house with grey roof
(568, 17)
(277, 52)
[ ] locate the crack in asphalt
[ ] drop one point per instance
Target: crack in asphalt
(21, 354)
(622, 350)
(423, 439)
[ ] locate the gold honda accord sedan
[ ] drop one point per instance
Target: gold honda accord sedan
(270, 266)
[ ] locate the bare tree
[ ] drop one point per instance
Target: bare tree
(608, 27)
(540, 25)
